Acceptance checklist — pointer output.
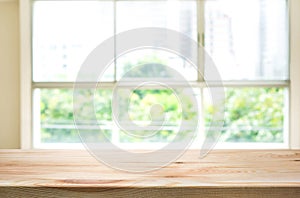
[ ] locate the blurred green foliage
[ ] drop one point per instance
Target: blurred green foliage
(251, 114)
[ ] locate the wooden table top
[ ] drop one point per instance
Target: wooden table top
(62, 168)
(219, 169)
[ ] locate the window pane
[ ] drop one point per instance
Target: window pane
(64, 33)
(53, 116)
(177, 15)
(248, 40)
(251, 114)
(157, 113)
(160, 64)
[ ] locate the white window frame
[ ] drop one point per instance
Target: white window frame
(27, 86)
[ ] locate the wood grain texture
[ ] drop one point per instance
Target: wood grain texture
(59, 173)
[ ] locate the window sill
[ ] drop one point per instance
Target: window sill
(227, 173)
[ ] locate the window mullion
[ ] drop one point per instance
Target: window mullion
(115, 44)
(200, 38)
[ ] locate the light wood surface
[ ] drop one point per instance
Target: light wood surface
(59, 173)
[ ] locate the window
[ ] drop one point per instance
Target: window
(248, 40)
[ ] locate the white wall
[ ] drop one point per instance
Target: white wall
(9, 75)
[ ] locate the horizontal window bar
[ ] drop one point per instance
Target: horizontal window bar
(145, 146)
(160, 84)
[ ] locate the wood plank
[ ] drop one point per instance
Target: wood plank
(150, 192)
(225, 173)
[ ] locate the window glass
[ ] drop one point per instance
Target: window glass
(63, 35)
(251, 114)
(248, 40)
(54, 121)
(180, 16)
(53, 116)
